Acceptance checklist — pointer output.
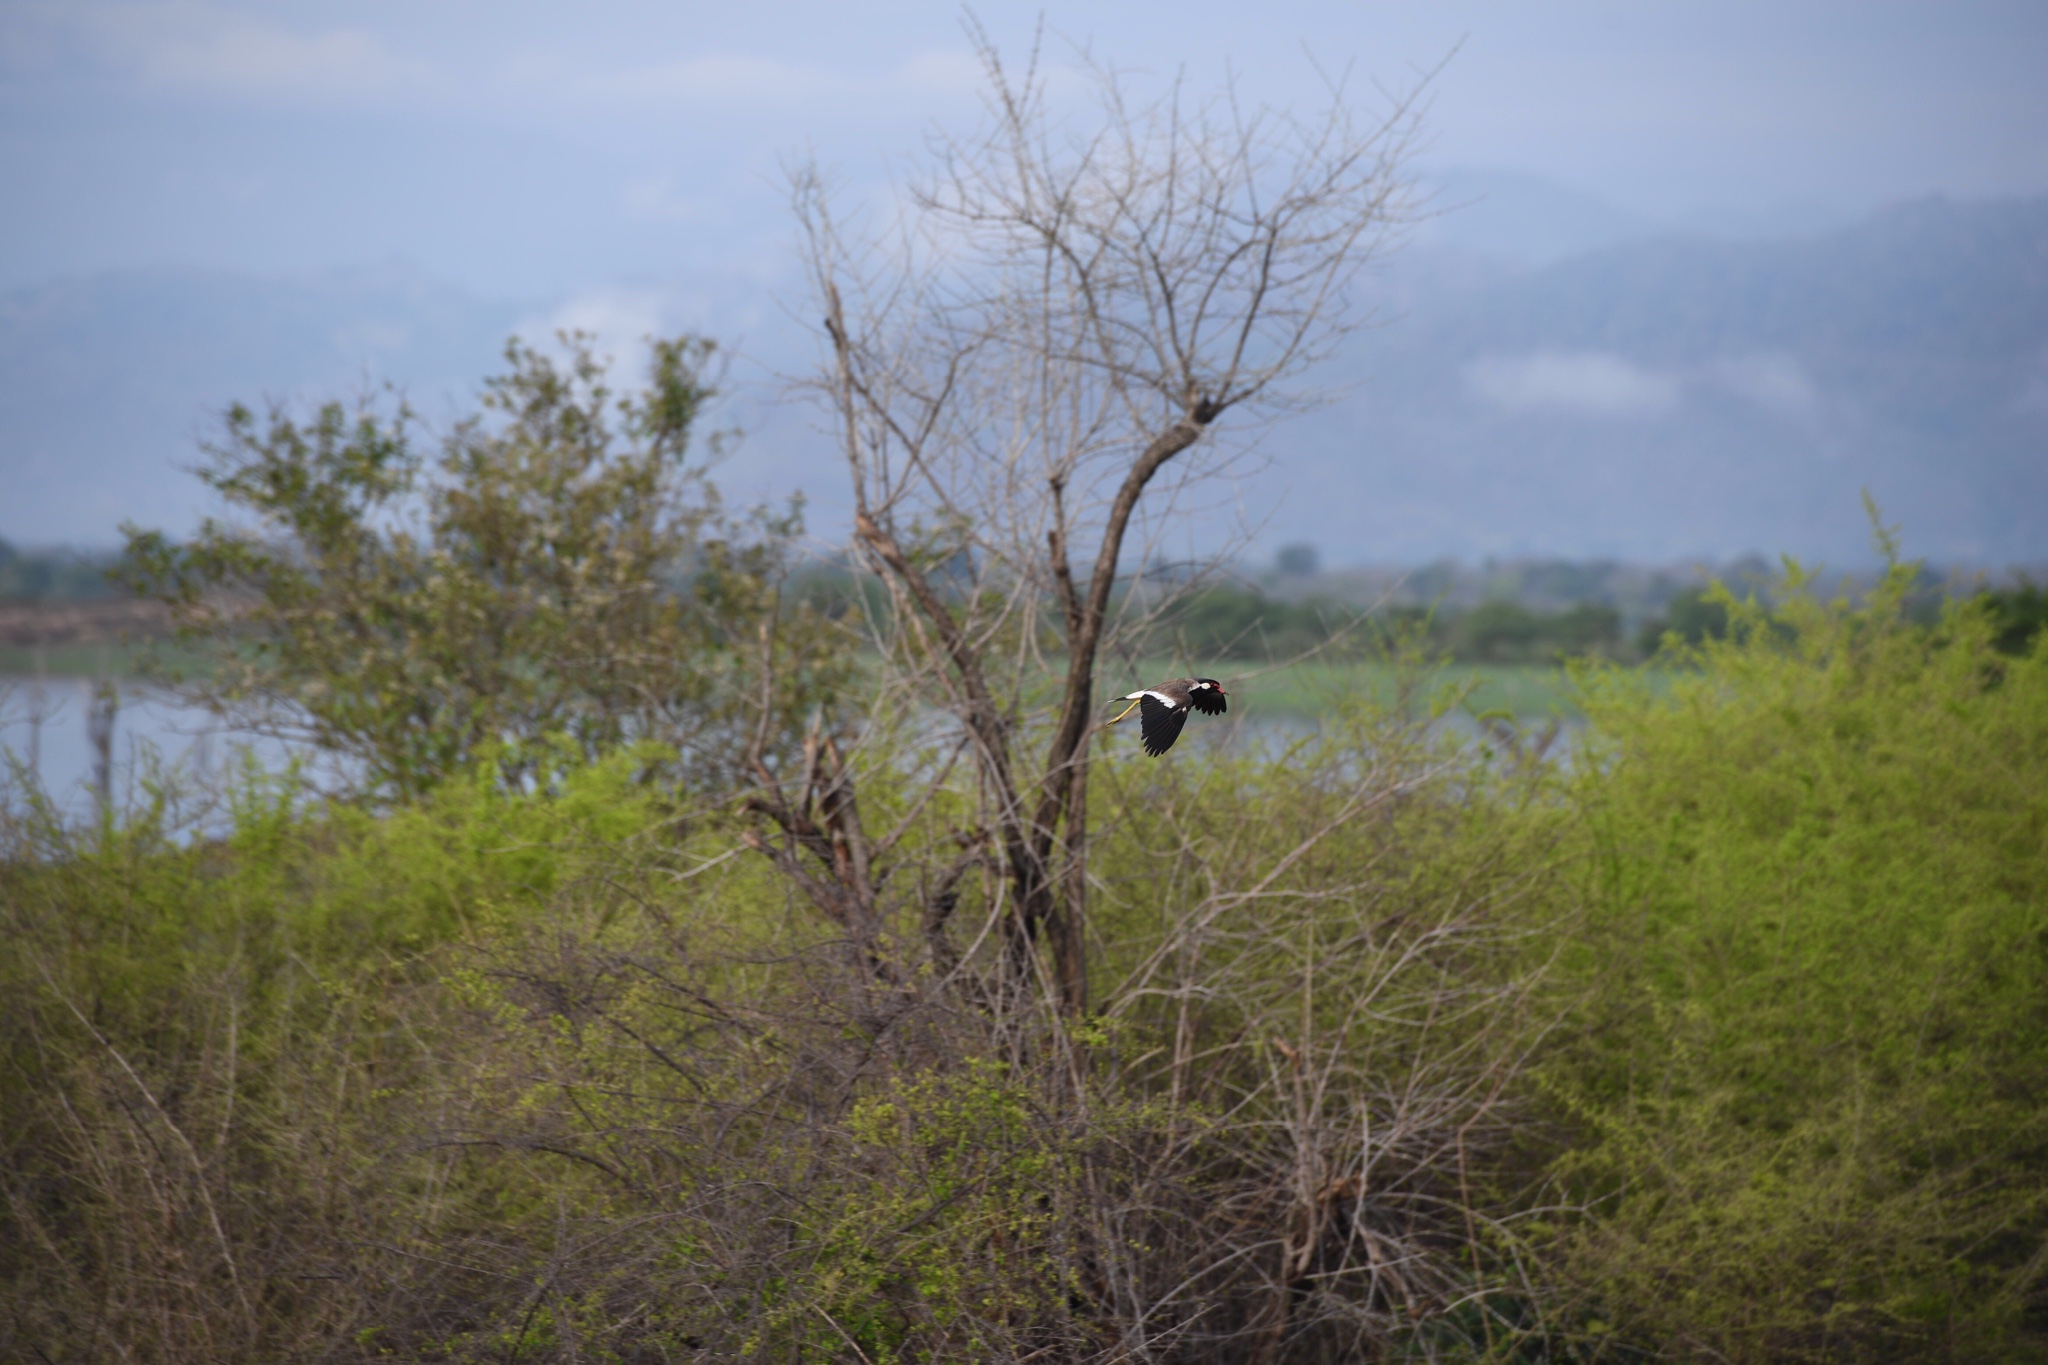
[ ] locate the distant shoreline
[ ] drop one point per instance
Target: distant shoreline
(79, 638)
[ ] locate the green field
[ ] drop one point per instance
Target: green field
(1299, 690)
(1531, 691)
(1308, 689)
(106, 659)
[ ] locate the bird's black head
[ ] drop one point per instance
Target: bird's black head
(1211, 682)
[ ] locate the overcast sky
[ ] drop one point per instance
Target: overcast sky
(531, 150)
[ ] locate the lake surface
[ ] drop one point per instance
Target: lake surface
(46, 727)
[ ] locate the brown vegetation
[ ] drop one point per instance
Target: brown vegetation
(39, 625)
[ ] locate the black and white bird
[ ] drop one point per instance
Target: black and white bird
(1164, 709)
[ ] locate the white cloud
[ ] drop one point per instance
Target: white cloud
(224, 48)
(213, 50)
(370, 336)
(244, 58)
(618, 318)
(737, 78)
(949, 72)
(1776, 383)
(1593, 383)
(660, 199)
(722, 79)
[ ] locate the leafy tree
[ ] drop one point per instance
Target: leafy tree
(1508, 632)
(562, 568)
(58, 576)
(1588, 628)
(1299, 560)
(1230, 622)
(1497, 632)
(2018, 614)
(1694, 615)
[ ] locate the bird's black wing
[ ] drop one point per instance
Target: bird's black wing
(1208, 700)
(1161, 723)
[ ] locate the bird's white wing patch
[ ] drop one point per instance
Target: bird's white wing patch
(1148, 692)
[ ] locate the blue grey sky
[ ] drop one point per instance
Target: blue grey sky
(536, 149)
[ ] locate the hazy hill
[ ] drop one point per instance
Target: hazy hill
(1651, 400)
(1685, 396)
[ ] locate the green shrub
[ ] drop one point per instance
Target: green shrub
(1284, 1134)
(221, 1057)
(545, 1070)
(1809, 1054)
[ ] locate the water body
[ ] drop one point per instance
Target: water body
(47, 724)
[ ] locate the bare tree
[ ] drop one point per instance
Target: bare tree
(1022, 366)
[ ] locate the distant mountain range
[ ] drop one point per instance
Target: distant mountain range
(1686, 396)
(1653, 399)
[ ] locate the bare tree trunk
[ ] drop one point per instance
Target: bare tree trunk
(1011, 372)
(1063, 793)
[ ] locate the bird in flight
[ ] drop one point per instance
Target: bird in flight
(1164, 709)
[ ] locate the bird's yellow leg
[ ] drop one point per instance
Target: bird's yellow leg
(1126, 711)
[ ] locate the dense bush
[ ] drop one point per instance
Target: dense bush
(223, 1063)
(547, 1074)
(1724, 1038)
(1809, 1060)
